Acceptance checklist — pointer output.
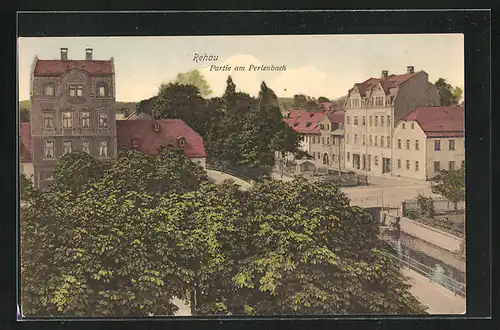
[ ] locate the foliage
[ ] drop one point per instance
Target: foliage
(194, 78)
(323, 99)
(26, 186)
(449, 95)
(450, 184)
(24, 115)
(74, 170)
(102, 247)
(306, 102)
(426, 205)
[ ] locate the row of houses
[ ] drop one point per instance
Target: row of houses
(390, 126)
(73, 107)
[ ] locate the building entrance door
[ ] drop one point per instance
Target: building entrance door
(386, 165)
(355, 161)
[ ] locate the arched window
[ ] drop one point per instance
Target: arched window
(48, 89)
(102, 89)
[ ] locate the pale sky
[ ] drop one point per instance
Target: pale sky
(317, 65)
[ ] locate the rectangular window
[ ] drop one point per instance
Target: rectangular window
(348, 138)
(66, 147)
(437, 167)
(327, 140)
(451, 165)
(72, 90)
(412, 125)
(49, 149)
(85, 119)
(102, 91)
(399, 163)
(319, 155)
(379, 101)
(417, 166)
(49, 90)
(407, 164)
(348, 156)
(355, 138)
(376, 140)
(388, 121)
(403, 125)
(356, 102)
(408, 144)
(399, 143)
(48, 121)
(364, 121)
(103, 148)
(417, 145)
(364, 139)
(376, 121)
(437, 145)
(388, 142)
(371, 121)
(79, 90)
(355, 120)
(382, 141)
(451, 145)
(348, 120)
(323, 140)
(381, 120)
(67, 119)
(463, 163)
(103, 120)
(376, 160)
(333, 158)
(86, 146)
(371, 140)
(333, 140)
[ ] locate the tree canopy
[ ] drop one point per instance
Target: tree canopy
(149, 228)
(194, 78)
(306, 102)
(450, 184)
(24, 115)
(449, 95)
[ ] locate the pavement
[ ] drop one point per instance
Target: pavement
(438, 299)
(219, 177)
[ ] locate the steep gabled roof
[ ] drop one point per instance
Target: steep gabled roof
(439, 121)
(58, 67)
(25, 142)
(336, 116)
(149, 140)
(387, 83)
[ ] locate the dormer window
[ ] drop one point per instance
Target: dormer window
(157, 127)
(308, 124)
(135, 143)
(181, 141)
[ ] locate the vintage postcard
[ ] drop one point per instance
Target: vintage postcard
(242, 175)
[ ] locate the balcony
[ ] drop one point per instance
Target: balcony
(76, 100)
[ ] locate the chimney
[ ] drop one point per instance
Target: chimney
(64, 54)
(385, 74)
(88, 54)
(410, 69)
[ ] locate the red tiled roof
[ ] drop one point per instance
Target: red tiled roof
(336, 116)
(439, 121)
(387, 83)
(57, 67)
(295, 112)
(25, 142)
(307, 122)
(150, 140)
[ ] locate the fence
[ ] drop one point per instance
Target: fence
(433, 274)
(440, 205)
(230, 171)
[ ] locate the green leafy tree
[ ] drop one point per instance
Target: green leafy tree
(306, 102)
(323, 99)
(24, 115)
(27, 188)
(194, 78)
(74, 170)
(303, 250)
(176, 101)
(449, 95)
(450, 184)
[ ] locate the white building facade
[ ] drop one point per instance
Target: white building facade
(373, 107)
